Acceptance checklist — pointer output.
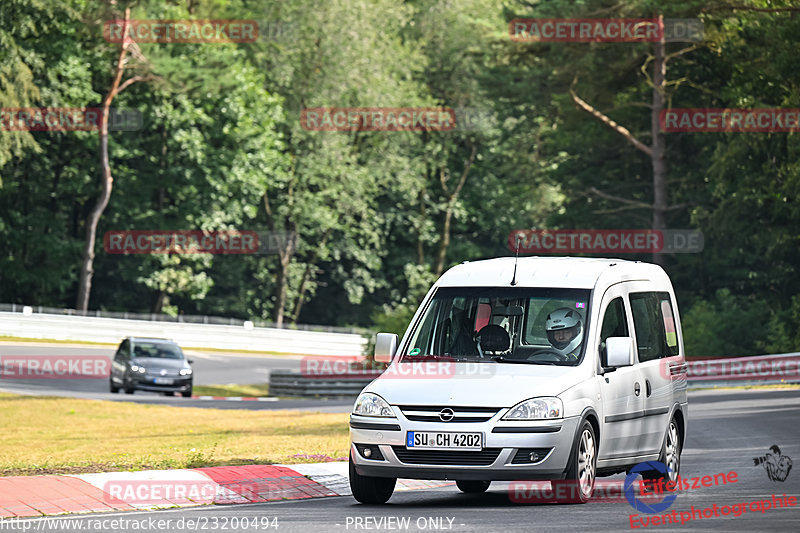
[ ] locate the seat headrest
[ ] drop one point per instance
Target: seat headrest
(494, 338)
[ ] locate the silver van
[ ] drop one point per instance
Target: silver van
(527, 369)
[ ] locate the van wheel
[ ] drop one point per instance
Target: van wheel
(582, 469)
(473, 487)
(111, 387)
(367, 489)
(670, 455)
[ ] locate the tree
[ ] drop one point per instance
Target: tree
(656, 150)
(117, 86)
(327, 195)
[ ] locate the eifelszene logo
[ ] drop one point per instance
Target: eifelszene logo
(630, 495)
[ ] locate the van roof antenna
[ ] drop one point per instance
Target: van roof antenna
(516, 258)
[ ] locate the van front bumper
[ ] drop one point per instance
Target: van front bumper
(505, 455)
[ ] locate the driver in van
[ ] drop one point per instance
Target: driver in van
(564, 328)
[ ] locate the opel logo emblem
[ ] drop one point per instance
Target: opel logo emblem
(446, 414)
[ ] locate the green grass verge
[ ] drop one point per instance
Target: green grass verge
(11, 338)
(45, 435)
(243, 352)
(231, 390)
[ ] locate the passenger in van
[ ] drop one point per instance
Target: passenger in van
(564, 328)
(464, 335)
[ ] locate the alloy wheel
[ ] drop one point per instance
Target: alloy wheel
(586, 463)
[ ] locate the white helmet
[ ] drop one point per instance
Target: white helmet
(565, 319)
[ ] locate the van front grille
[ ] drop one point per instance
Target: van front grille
(426, 413)
(485, 457)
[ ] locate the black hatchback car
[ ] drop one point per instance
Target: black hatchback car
(156, 365)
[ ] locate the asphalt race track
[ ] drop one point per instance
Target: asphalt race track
(727, 429)
(209, 369)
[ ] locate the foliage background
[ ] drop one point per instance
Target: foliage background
(221, 141)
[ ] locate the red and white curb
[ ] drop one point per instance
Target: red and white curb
(334, 476)
(26, 496)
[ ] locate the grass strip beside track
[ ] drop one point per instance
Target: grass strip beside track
(12, 339)
(231, 390)
(46, 435)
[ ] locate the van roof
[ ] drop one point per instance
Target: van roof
(566, 272)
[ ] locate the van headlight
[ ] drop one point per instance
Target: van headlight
(536, 409)
(185, 372)
(369, 404)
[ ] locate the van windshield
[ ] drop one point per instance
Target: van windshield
(505, 325)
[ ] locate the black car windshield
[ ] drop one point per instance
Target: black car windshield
(505, 325)
(157, 350)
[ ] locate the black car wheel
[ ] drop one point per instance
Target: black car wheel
(367, 489)
(187, 393)
(670, 455)
(578, 485)
(111, 387)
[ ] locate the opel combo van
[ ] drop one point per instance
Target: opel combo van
(527, 369)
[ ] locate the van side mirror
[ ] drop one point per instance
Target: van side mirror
(619, 352)
(385, 347)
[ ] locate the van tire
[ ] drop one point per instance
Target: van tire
(670, 454)
(473, 487)
(374, 490)
(581, 470)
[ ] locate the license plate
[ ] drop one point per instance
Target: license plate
(163, 381)
(443, 440)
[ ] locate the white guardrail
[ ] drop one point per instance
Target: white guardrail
(247, 337)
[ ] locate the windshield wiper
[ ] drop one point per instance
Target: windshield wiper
(431, 357)
(501, 359)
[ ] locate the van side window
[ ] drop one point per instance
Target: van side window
(615, 324)
(654, 323)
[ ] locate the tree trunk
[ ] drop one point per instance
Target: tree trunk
(452, 198)
(87, 266)
(301, 291)
(298, 304)
(658, 147)
(158, 302)
(285, 254)
(444, 239)
(281, 283)
(420, 224)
